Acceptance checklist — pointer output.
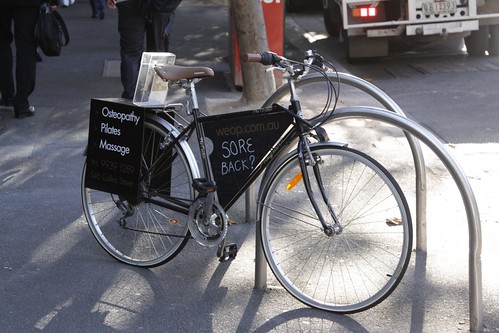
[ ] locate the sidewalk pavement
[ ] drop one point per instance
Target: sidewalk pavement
(55, 278)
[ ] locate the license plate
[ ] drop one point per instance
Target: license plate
(444, 7)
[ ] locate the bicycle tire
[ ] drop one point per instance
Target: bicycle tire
(351, 271)
(153, 234)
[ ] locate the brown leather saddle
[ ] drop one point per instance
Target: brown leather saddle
(177, 73)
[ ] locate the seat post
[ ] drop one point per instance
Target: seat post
(193, 94)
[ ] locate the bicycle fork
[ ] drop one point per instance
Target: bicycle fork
(307, 158)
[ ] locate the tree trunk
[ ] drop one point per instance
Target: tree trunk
(252, 38)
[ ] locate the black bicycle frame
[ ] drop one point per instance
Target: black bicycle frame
(295, 131)
(290, 135)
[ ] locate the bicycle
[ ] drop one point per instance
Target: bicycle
(335, 226)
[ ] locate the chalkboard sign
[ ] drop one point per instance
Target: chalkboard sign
(241, 140)
(114, 146)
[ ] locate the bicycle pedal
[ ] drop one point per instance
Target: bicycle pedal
(227, 252)
(204, 186)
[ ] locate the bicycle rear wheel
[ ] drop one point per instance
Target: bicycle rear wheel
(142, 231)
(350, 271)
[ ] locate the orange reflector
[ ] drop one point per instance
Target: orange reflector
(295, 180)
(364, 12)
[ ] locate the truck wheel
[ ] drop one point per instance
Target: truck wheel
(494, 40)
(332, 18)
(478, 41)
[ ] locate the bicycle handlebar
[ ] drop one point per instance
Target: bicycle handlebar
(272, 59)
(252, 57)
(265, 58)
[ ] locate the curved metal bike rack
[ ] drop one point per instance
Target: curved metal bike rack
(413, 131)
(474, 228)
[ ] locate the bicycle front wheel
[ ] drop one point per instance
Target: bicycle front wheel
(150, 229)
(363, 262)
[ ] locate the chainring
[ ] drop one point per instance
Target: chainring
(207, 228)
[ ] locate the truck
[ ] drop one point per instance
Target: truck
(367, 26)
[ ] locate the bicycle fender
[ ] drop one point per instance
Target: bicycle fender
(183, 144)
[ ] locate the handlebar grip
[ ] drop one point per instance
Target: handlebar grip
(265, 58)
(252, 57)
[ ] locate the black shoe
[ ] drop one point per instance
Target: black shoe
(29, 112)
(6, 101)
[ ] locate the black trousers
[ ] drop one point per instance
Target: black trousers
(24, 19)
(139, 34)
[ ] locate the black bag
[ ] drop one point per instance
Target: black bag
(51, 33)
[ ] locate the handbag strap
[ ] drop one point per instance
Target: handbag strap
(65, 32)
(45, 8)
